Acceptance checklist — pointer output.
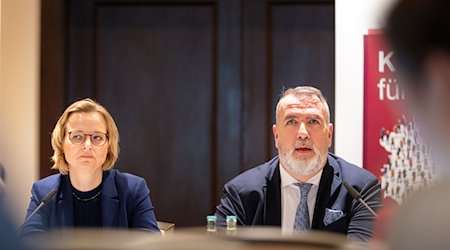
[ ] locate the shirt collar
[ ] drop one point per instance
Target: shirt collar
(287, 179)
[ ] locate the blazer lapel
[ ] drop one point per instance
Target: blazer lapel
(323, 197)
(65, 203)
(110, 200)
(337, 182)
(327, 193)
(272, 211)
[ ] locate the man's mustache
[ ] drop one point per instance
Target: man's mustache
(302, 144)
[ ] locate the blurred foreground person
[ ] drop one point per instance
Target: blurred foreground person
(8, 239)
(419, 33)
(89, 192)
(2, 181)
(302, 188)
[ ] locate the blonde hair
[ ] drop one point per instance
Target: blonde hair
(305, 91)
(59, 133)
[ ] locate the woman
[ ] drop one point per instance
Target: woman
(90, 193)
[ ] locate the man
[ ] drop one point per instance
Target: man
(301, 188)
(419, 33)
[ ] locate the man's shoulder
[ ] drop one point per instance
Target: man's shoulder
(350, 172)
(256, 177)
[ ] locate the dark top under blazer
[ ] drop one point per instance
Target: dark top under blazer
(255, 198)
(125, 203)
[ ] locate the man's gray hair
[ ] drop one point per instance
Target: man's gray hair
(305, 91)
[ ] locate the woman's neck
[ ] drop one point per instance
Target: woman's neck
(85, 180)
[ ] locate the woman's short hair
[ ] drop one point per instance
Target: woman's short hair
(59, 133)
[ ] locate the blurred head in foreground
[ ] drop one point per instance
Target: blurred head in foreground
(419, 33)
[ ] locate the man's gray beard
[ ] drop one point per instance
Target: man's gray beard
(302, 166)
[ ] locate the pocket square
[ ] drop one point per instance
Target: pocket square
(332, 215)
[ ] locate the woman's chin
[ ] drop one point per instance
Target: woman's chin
(86, 166)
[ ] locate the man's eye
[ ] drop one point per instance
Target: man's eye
(291, 122)
(313, 121)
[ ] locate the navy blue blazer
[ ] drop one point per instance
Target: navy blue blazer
(125, 203)
(255, 198)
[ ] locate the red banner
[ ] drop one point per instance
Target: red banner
(392, 149)
(381, 95)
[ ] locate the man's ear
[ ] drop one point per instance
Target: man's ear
(275, 135)
(330, 133)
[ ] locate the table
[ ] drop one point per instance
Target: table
(260, 238)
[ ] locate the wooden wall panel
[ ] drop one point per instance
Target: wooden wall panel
(301, 38)
(192, 84)
(163, 103)
(285, 44)
(53, 76)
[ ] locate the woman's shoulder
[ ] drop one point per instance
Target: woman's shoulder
(46, 184)
(124, 184)
(51, 181)
(125, 178)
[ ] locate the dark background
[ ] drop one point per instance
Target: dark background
(192, 85)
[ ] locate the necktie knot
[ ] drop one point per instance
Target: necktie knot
(304, 189)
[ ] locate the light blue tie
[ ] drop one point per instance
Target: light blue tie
(302, 215)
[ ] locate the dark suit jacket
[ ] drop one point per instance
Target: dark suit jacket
(125, 203)
(255, 198)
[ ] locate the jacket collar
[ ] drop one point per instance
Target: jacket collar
(110, 199)
(272, 192)
(328, 191)
(65, 202)
(337, 176)
(330, 181)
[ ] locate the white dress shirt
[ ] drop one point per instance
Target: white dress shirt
(290, 197)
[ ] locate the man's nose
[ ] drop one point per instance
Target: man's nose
(302, 132)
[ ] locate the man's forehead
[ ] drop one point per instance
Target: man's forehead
(301, 109)
(300, 102)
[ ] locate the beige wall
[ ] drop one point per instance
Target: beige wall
(353, 18)
(19, 98)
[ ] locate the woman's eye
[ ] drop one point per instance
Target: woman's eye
(77, 137)
(97, 138)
